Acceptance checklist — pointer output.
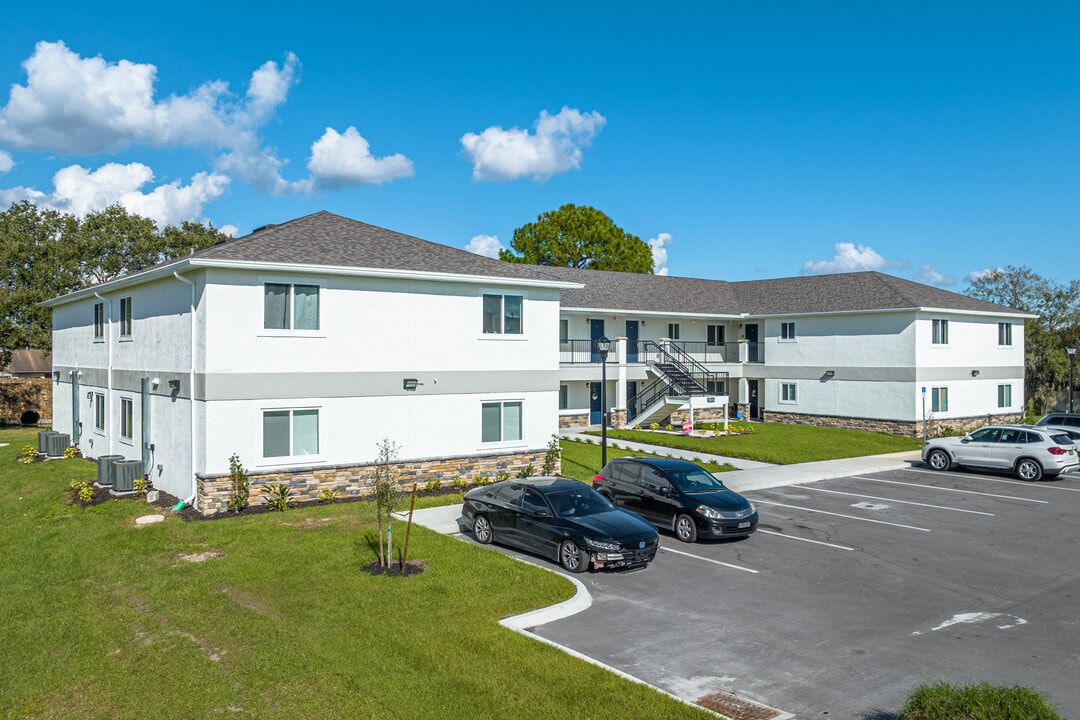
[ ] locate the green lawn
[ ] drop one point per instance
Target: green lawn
(781, 444)
(101, 619)
(582, 460)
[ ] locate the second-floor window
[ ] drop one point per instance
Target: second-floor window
(714, 335)
(290, 307)
(99, 320)
(1004, 333)
(787, 330)
(940, 332)
(125, 317)
(673, 331)
(502, 314)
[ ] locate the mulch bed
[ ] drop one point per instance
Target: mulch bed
(395, 570)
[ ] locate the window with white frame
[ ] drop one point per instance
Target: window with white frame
(673, 331)
(500, 421)
(939, 399)
(1004, 333)
(714, 335)
(789, 392)
(502, 314)
(99, 412)
(125, 317)
(940, 332)
(127, 419)
(564, 330)
(290, 433)
(787, 331)
(99, 321)
(1004, 396)
(288, 306)
(564, 397)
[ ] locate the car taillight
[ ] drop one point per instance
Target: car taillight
(597, 478)
(1055, 450)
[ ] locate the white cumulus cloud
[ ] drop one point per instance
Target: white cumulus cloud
(229, 230)
(497, 154)
(345, 160)
(982, 274)
(486, 245)
(6, 163)
(850, 257)
(929, 275)
(659, 245)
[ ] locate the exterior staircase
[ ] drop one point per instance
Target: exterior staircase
(678, 377)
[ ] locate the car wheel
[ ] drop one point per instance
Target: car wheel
(1029, 469)
(481, 528)
(685, 528)
(572, 558)
(938, 460)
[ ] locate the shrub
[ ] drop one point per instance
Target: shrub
(81, 488)
(654, 426)
(433, 486)
(140, 485)
(551, 456)
(669, 426)
(482, 480)
(527, 471)
(28, 455)
(278, 497)
(502, 475)
(328, 496)
(71, 452)
(460, 483)
(976, 702)
(241, 486)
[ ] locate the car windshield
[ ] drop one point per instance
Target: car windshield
(578, 503)
(694, 480)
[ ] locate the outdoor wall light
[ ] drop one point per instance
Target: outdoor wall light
(974, 373)
(410, 384)
(830, 373)
(90, 395)
(56, 375)
(174, 386)
(155, 382)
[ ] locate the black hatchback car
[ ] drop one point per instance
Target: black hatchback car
(561, 519)
(677, 495)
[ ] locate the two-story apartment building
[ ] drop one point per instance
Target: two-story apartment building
(301, 346)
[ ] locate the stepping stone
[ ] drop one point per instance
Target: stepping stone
(149, 519)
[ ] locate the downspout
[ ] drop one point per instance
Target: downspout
(108, 375)
(191, 385)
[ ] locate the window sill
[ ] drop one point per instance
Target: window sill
(126, 441)
(503, 336)
(125, 338)
(291, 333)
(291, 461)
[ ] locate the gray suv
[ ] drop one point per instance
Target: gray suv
(1060, 420)
(1027, 450)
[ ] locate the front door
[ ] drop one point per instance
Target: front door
(596, 331)
(751, 333)
(752, 389)
(631, 340)
(594, 403)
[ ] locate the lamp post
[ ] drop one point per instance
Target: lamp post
(1070, 350)
(603, 345)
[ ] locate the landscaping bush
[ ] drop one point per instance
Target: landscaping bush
(976, 702)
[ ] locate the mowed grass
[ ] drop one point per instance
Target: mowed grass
(582, 460)
(781, 444)
(104, 619)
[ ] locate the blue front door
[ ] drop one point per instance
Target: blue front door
(596, 331)
(631, 340)
(751, 334)
(594, 403)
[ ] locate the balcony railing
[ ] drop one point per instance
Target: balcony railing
(638, 351)
(572, 352)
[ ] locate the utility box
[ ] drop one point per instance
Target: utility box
(124, 473)
(56, 444)
(104, 463)
(43, 440)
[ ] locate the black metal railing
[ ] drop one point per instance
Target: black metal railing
(678, 374)
(573, 352)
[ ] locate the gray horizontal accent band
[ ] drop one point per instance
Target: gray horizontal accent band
(126, 380)
(890, 374)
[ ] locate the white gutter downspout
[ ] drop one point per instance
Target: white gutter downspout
(191, 385)
(108, 375)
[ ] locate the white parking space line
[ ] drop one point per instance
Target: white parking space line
(903, 502)
(850, 517)
(1043, 486)
(816, 542)
(945, 489)
(715, 562)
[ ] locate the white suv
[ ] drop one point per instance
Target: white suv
(1029, 451)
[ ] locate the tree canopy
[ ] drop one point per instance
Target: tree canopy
(578, 236)
(45, 253)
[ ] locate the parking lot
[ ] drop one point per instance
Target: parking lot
(852, 592)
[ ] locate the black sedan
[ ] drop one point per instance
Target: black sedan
(563, 520)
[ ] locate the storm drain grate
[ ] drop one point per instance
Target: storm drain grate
(736, 708)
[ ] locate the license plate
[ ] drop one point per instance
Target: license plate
(744, 525)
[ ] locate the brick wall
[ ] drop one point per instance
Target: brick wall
(18, 395)
(349, 481)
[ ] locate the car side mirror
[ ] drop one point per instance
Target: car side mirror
(541, 514)
(664, 490)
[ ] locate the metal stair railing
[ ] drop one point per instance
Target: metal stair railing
(692, 377)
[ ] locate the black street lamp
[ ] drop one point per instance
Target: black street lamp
(603, 345)
(1070, 350)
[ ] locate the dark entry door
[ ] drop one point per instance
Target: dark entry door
(752, 388)
(596, 331)
(753, 352)
(594, 403)
(631, 340)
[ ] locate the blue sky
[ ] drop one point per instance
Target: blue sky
(743, 141)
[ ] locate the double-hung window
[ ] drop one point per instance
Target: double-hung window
(127, 419)
(673, 331)
(502, 314)
(290, 433)
(787, 331)
(99, 321)
(714, 335)
(289, 306)
(939, 399)
(789, 392)
(940, 332)
(99, 412)
(125, 317)
(1004, 396)
(1004, 333)
(500, 422)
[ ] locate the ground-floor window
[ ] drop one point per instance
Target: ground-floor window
(1004, 396)
(290, 433)
(564, 397)
(939, 399)
(99, 412)
(127, 419)
(500, 421)
(788, 392)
